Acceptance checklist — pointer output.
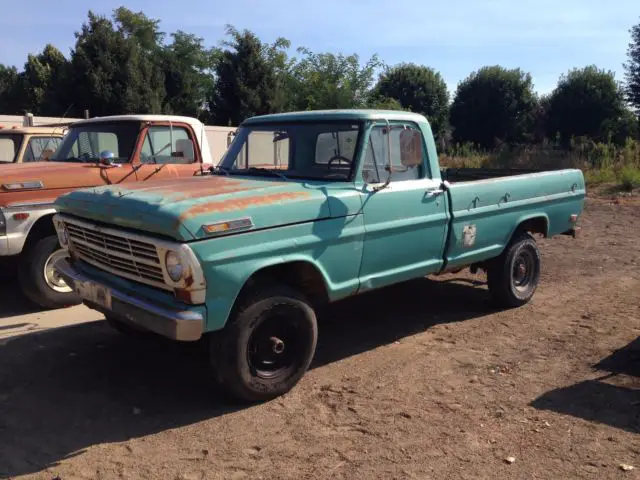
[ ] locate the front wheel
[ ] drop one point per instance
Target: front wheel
(38, 278)
(267, 346)
(514, 276)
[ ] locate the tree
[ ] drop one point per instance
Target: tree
(586, 103)
(43, 84)
(330, 81)
(419, 89)
(494, 105)
(112, 73)
(136, 25)
(632, 70)
(8, 86)
(384, 103)
(246, 78)
(188, 69)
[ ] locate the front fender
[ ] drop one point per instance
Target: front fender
(18, 228)
(332, 247)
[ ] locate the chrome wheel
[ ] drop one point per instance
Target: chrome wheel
(51, 276)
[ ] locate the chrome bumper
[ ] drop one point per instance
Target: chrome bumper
(182, 325)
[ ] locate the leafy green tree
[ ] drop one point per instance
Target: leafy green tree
(247, 79)
(136, 25)
(43, 83)
(385, 103)
(587, 102)
(188, 68)
(494, 105)
(632, 69)
(8, 85)
(419, 89)
(329, 81)
(111, 72)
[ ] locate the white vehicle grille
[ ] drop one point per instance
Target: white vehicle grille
(118, 254)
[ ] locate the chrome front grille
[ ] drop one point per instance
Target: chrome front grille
(133, 259)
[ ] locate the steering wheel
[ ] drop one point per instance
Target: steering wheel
(338, 158)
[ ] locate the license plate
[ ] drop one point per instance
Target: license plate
(95, 293)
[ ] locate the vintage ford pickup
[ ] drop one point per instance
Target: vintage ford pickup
(305, 208)
(98, 151)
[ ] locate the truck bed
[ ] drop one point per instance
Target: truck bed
(453, 175)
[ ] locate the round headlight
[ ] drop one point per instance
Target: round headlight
(174, 267)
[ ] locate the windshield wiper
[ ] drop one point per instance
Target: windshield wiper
(267, 170)
(218, 168)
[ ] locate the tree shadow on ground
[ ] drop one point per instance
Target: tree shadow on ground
(613, 399)
(62, 391)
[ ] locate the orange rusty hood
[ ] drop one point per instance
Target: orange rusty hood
(54, 175)
(180, 208)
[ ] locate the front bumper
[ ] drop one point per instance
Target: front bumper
(182, 325)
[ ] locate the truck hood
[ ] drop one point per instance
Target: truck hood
(54, 175)
(179, 208)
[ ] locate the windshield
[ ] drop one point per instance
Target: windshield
(85, 142)
(304, 150)
(9, 147)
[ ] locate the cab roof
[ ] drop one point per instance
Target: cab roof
(335, 115)
(58, 130)
(194, 122)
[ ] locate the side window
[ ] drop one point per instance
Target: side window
(407, 154)
(163, 144)
(38, 146)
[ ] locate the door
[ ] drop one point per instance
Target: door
(406, 221)
(168, 151)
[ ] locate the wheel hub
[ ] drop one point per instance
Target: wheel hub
(523, 271)
(51, 275)
(277, 345)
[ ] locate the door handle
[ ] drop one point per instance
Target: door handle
(433, 193)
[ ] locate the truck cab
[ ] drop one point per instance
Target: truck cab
(113, 150)
(28, 144)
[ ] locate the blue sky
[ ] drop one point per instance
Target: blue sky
(544, 37)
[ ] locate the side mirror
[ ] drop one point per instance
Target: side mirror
(410, 148)
(106, 158)
(46, 155)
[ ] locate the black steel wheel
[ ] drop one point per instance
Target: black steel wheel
(267, 346)
(514, 276)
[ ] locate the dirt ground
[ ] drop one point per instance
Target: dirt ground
(422, 380)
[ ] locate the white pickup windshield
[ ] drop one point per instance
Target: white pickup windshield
(83, 143)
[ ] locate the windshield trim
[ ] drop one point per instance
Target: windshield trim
(236, 145)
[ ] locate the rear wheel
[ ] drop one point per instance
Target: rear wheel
(514, 276)
(267, 346)
(38, 278)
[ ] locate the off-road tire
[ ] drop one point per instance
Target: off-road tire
(501, 278)
(265, 310)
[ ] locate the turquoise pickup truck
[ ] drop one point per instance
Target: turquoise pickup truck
(305, 208)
